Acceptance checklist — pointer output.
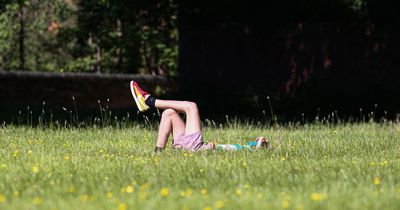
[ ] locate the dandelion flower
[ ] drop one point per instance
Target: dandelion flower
(84, 198)
(377, 181)
(317, 196)
(122, 206)
(238, 192)
(204, 192)
(384, 163)
(285, 204)
(188, 192)
(207, 208)
(15, 193)
(219, 205)
(35, 169)
(71, 189)
(129, 189)
(2, 198)
(109, 195)
(67, 157)
(37, 201)
(164, 192)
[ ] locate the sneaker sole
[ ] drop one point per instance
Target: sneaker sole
(135, 97)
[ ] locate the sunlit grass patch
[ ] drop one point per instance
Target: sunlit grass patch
(309, 167)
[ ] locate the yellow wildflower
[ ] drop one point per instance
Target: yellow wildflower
(129, 189)
(122, 206)
(35, 169)
(164, 192)
(317, 196)
(109, 195)
(204, 192)
(207, 208)
(186, 193)
(238, 192)
(67, 157)
(15, 193)
(219, 204)
(37, 201)
(2, 198)
(84, 198)
(3, 165)
(383, 163)
(285, 204)
(71, 189)
(377, 181)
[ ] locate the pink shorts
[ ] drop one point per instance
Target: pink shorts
(193, 142)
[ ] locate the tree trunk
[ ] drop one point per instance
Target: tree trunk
(21, 35)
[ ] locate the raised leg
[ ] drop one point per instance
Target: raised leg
(170, 122)
(190, 109)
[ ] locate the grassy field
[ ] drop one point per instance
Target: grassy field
(310, 167)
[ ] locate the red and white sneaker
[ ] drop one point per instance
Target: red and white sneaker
(139, 95)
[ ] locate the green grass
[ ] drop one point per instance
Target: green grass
(349, 166)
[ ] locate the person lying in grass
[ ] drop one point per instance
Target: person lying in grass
(187, 135)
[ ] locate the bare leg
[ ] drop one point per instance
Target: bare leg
(189, 108)
(170, 121)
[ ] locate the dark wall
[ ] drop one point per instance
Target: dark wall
(54, 91)
(307, 56)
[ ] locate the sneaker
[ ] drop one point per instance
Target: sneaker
(139, 96)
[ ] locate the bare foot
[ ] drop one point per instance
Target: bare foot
(262, 143)
(211, 145)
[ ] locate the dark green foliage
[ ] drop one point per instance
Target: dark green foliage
(141, 36)
(91, 36)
